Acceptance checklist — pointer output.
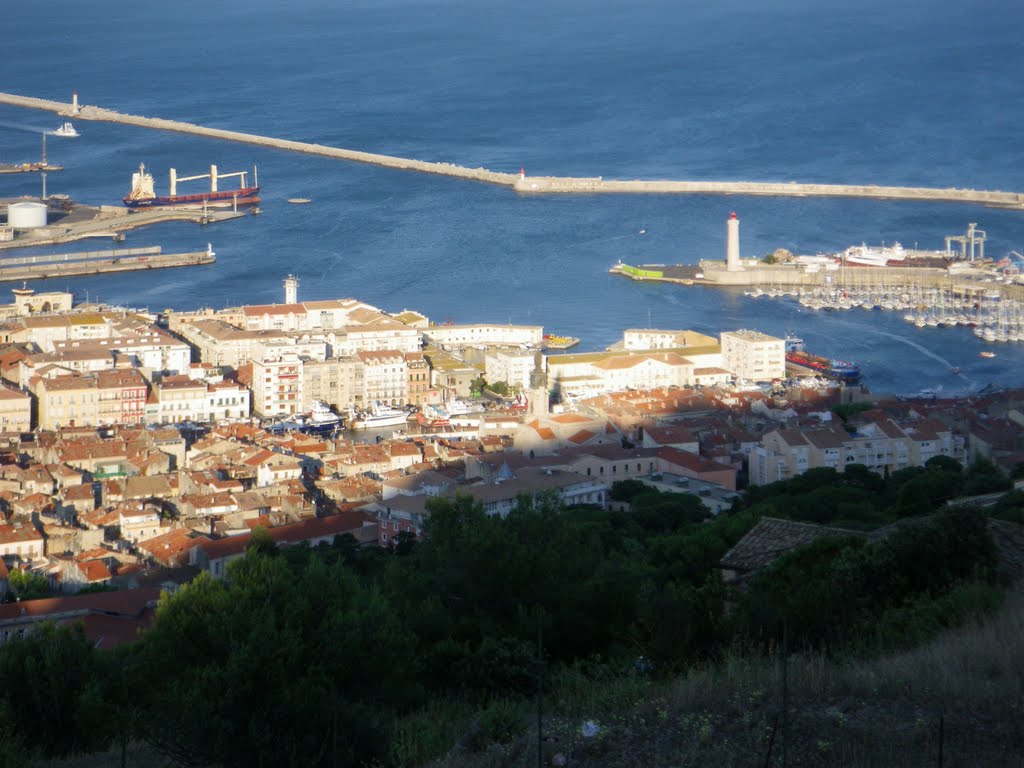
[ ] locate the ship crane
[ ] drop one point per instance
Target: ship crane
(213, 176)
(974, 236)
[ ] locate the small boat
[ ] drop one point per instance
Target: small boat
(955, 369)
(67, 130)
(986, 353)
(299, 200)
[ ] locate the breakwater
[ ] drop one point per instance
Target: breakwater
(538, 185)
(98, 262)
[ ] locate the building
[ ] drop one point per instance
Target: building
(338, 381)
(753, 355)
(484, 334)
(511, 365)
(106, 397)
(386, 376)
(641, 339)
(21, 539)
(277, 386)
(418, 390)
(15, 410)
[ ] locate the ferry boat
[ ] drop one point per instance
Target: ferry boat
(67, 130)
(839, 370)
(379, 415)
(143, 196)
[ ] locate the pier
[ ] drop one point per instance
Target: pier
(83, 221)
(537, 185)
(98, 262)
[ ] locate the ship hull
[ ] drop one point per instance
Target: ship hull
(244, 196)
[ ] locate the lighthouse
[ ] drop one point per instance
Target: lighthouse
(732, 244)
(291, 289)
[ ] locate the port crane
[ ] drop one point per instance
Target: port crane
(973, 236)
(213, 176)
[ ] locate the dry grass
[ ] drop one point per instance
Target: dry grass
(885, 712)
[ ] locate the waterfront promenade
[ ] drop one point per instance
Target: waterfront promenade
(538, 185)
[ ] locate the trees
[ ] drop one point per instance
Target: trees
(280, 666)
(52, 690)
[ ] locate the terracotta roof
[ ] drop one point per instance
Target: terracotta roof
(771, 538)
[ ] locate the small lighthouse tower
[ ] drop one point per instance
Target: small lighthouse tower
(732, 244)
(74, 102)
(291, 290)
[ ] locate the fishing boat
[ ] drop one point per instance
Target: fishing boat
(986, 353)
(67, 130)
(143, 196)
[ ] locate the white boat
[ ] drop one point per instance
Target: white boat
(379, 415)
(322, 417)
(67, 130)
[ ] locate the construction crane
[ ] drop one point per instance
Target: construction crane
(213, 176)
(974, 236)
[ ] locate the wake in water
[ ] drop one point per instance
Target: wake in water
(24, 127)
(913, 344)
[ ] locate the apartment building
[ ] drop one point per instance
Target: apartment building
(753, 355)
(483, 334)
(106, 397)
(386, 376)
(338, 381)
(277, 386)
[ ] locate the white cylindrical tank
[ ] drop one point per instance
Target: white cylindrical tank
(732, 244)
(26, 215)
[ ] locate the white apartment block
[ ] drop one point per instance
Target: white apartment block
(589, 374)
(381, 334)
(512, 366)
(651, 338)
(385, 377)
(277, 386)
(484, 334)
(226, 400)
(753, 355)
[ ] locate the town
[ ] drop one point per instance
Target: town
(138, 450)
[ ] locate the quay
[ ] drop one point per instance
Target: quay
(98, 262)
(73, 221)
(791, 279)
(538, 185)
(29, 167)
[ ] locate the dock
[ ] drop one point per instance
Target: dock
(29, 167)
(98, 262)
(80, 222)
(534, 185)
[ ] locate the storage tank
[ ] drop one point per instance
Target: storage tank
(26, 215)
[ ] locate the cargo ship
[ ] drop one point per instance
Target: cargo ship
(839, 370)
(143, 196)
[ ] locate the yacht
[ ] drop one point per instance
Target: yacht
(379, 415)
(67, 130)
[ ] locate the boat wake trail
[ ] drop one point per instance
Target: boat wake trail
(22, 127)
(913, 344)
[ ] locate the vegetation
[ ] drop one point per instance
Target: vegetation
(340, 655)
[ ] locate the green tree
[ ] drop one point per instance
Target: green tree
(53, 690)
(292, 665)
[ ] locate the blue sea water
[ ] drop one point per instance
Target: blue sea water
(908, 92)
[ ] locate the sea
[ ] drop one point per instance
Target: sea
(906, 92)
